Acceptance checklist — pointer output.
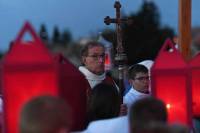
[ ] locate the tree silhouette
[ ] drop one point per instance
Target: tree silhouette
(1, 55)
(56, 35)
(43, 33)
(66, 37)
(144, 37)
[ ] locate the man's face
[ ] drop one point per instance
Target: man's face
(95, 59)
(140, 82)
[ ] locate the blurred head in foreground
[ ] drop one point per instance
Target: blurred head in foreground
(45, 114)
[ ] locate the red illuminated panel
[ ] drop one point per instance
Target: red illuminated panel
(107, 60)
(172, 90)
(21, 87)
(196, 91)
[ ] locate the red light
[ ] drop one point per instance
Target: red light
(168, 106)
(107, 60)
(170, 83)
(28, 71)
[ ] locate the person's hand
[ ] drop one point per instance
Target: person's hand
(123, 110)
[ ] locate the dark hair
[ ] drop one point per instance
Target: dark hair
(44, 114)
(154, 127)
(104, 102)
(137, 68)
(84, 50)
(146, 111)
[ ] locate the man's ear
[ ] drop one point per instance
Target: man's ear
(83, 59)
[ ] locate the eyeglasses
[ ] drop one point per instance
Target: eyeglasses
(96, 57)
(142, 78)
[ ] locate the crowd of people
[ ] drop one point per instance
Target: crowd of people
(139, 112)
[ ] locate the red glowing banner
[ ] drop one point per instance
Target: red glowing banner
(171, 84)
(174, 97)
(73, 88)
(195, 81)
(1, 70)
(29, 70)
(1, 100)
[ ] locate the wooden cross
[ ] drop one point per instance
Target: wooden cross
(184, 37)
(120, 57)
(118, 21)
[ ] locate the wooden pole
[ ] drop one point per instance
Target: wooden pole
(184, 37)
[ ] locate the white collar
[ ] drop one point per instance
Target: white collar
(91, 76)
(135, 92)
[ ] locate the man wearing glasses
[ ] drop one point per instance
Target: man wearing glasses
(139, 80)
(93, 63)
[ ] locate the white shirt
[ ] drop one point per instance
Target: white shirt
(92, 78)
(132, 96)
(114, 125)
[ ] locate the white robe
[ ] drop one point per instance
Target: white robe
(92, 78)
(132, 96)
(114, 125)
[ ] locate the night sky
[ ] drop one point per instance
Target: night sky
(82, 18)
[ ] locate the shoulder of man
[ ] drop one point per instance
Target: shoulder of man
(114, 125)
(108, 79)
